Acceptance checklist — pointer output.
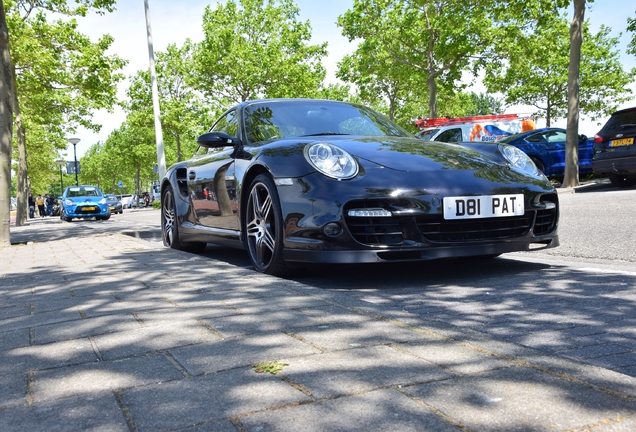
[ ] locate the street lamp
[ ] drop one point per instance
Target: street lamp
(60, 162)
(74, 141)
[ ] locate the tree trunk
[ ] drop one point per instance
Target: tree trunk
(6, 130)
(432, 93)
(22, 191)
(571, 177)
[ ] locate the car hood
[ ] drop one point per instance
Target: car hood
(415, 155)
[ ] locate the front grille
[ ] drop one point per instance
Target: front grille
(397, 230)
(437, 230)
(378, 230)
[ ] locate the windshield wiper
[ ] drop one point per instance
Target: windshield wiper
(325, 133)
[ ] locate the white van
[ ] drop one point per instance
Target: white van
(486, 128)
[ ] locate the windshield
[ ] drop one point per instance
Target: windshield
(427, 135)
(511, 138)
(297, 118)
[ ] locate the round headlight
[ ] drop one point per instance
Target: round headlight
(518, 159)
(331, 160)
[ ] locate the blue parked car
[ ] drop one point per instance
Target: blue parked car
(84, 202)
(546, 147)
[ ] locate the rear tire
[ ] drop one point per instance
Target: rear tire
(264, 227)
(622, 181)
(170, 228)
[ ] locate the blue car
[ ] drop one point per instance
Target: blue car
(84, 202)
(546, 147)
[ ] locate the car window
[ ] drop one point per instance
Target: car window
(555, 136)
(536, 138)
(228, 124)
(618, 121)
(272, 119)
(427, 135)
(450, 135)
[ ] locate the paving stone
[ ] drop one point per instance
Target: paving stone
(84, 413)
(13, 391)
(142, 340)
(382, 410)
(90, 378)
(520, 399)
(454, 357)
(233, 353)
(264, 322)
(80, 328)
(22, 359)
(366, 333)
(218, 396)
(363, 369)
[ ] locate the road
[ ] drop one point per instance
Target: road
(576, 301)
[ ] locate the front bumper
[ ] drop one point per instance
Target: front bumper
(86, 211)
(416, 230)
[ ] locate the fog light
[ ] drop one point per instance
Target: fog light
(332, 229)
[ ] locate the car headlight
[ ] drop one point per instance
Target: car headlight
(68, 202)
(331, 160)
(102, 201)
(518, 159)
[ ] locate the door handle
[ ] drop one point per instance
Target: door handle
(192, 175)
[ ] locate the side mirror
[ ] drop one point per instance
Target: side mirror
(216, 139)
(582, 137)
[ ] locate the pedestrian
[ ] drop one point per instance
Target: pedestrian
(49, 205)
(31, 203)
(40, 202)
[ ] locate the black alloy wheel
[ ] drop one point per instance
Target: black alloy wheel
(264, 227)
(169, 228)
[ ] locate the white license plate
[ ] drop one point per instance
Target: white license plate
(475, 207)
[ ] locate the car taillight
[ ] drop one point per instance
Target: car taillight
(598, 139)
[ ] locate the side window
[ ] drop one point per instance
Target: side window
(536, 138)
(450, 135)
(228, 124)
(556, 136)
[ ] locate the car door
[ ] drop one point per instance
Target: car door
(211, 181)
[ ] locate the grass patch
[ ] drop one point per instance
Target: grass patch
(269, 367)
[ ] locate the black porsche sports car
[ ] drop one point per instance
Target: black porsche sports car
(317, 181)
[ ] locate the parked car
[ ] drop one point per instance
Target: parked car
(314, 181)
(84, 202)
(114, 204)
(484, 128)
(128, 201)
(614, 149)
(546, 148)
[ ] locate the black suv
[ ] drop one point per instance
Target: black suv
(614, 149)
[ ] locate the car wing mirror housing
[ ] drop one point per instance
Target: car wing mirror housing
(217, 139)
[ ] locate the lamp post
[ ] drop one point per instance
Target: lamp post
(74, 141)
(60, 162)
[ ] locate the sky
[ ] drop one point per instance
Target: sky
(174, 21)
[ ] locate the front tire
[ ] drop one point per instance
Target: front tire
(622, 181)
(169, 226)
(264, 227)
(539, 164)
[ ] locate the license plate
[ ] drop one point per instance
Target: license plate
(475, 207)
(89, 209)
(621, 142)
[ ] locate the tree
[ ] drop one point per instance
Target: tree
(536, 71)
(571, 174)
(185, 114)
(61, 77)
(631, 27)
(6, 129)
(257, 48)
(436, 39)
